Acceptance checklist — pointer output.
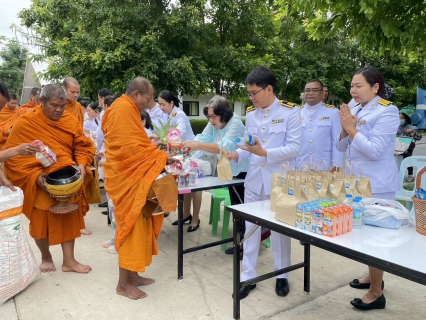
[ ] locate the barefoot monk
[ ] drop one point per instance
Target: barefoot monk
(133, 180)
(62, 133)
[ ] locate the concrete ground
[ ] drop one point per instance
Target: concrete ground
(205, 292)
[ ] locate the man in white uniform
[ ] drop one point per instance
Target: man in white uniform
(320, 129)
(278, 134)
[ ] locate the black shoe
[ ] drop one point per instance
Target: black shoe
(281, 287)
(192, 229)
(105, 212)
(244, 291)
(103, 205)
(231, 251)
(358, 285)
(166, 214)
(379, 303)
(184, 220)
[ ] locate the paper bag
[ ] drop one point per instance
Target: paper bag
(277, 183)
(362, 184)
(336, 190)
(287, 201)
(224, 171)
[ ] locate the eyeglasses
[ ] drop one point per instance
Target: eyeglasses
(214, 116)
(315, 90)
(252, 94)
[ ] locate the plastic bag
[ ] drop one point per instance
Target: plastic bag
(203, 165)
(386, 214)
(18, 267)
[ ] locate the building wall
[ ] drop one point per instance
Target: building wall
(202, 100)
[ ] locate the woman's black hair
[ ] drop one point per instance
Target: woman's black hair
(221, 107)
(406, 117)
(148, 123)
(95, 107)
(109, 100)
(373, 76)
(169, 97)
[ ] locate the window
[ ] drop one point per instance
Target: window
(191, 108)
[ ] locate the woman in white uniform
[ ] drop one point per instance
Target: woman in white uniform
(368, 138)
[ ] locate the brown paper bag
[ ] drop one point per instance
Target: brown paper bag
(362, 184)
(287, 201)
(320, 185)
(224, 171)
(277, 183)
(336, 190)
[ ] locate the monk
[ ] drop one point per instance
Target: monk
(8, 116)
(4, 94)
(132, 167)
(62, 133)
(72, 88)
(34, 96)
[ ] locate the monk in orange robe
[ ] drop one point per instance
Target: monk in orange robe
(132, 165)
(72, 88)
(62, 133)
(34, 96)
(8, 116)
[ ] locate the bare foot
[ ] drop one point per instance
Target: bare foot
(76, 267)
(130, 291)
(365, 280)
(47, 265)
(137, 280)
(86, 232)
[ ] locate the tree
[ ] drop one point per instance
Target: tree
(380, 25)
(13, 59)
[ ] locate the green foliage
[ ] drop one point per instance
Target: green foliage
(198, 125)
(13, 59)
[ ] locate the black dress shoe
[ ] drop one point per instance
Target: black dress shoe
(192, 229)
(103, 205)
(358, 285)
(281, 287)
(231, 251)
(184, 220)
(244, 291)
(105, 212)
(379, 303)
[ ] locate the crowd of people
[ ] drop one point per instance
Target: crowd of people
(114, 140)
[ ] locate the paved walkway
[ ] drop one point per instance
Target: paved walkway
(205, 292)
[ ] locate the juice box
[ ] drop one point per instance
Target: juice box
(299, 216)
(330, 222)
(307, 216)
(317, 221)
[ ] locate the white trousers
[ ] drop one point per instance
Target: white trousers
(281, 245)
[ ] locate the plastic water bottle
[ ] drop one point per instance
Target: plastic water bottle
(348, 200)
(362, 205)
(240, 142)
(357, 221)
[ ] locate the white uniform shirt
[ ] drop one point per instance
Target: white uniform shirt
(179, 118)
(156, 115)
(279, 130)
(373, 145)
(320, 129)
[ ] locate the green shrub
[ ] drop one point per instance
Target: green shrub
(198, 125)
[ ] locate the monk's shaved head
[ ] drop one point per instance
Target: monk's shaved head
(69, 81)
(51, 90)
(140, 84)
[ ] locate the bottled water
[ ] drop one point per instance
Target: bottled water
(362, 205)
(358, 214)
(240, 142)
(348, 201)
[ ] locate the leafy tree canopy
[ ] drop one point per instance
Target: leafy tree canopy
(13, 58)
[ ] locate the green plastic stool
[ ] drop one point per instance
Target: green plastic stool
(219, 195)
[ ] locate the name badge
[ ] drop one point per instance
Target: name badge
(277, 121)
(324, 118)
(361, 122)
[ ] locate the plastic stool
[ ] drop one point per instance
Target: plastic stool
(219, 195)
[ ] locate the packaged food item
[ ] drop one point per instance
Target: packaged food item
(174, 141)
(299, 216)
(45, 156)
(317, 221)
(330, 222)
(307, 216)
(420, 194)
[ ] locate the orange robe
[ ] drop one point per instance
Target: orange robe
(76, 109)
(132, 164)
(92, 190)
(27, 107)
(8, 117)
(66, 139)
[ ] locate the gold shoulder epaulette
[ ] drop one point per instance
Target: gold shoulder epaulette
(301, 107)
(384, 102)
(287, 104)
(329, 106)
(250, 109)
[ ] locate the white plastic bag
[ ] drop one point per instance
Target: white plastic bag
(18, 267)
(201, 164)
(386, 214)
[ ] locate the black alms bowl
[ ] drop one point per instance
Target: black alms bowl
(62, 177)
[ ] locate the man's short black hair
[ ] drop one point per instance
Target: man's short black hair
(316, 80)
(105, 92)
(262, 77)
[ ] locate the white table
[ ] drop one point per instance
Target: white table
(398, 251)
(206, 183)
